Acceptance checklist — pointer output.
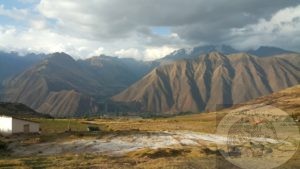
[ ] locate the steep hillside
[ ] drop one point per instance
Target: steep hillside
(287, 100)
(62, 86)
(69, 104)
(18, 110)
(12, 63)
(210, 81)
(58, 72)
(116, 74)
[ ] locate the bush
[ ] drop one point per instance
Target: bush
(3, 146)
(93, 128)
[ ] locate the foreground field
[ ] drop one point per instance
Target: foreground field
(177, 142)
(54, 131)
(192, 158)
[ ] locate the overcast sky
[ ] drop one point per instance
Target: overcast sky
(145, 29)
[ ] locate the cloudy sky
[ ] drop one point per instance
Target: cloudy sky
(145, 29)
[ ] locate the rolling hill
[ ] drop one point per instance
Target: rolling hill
(287, 100)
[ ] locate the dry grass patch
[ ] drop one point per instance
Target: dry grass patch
(158, 153)
(205, 122)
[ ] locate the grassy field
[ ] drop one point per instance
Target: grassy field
(189, 157)
(205, 122)
(58, 130)
(55, 130)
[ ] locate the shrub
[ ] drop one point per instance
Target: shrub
(93, 128)
(3, 146)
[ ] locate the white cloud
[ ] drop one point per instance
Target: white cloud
(148, 54)
(131, 52)
(38, 24)
(97, 52)
(13, 13)
(33, 40)
(86, 28)
(48, 41)
(282, 29)
(174, 35)
(158, 52)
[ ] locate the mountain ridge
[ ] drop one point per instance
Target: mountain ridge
(202, 83)
(62, 86)
(186, 53)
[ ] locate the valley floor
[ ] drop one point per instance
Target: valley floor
(178, 142)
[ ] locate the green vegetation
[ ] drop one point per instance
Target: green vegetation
(61, 125)
(3, 146)
(64, 129)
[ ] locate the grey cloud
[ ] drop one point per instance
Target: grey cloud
(218, 22)
(195, 21)
(192, 19)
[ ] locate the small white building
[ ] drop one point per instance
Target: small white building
(12, 125)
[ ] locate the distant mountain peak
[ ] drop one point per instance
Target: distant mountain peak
(60, 54)
(198, 51)
(268, 47)
(106, 57)
(59, 57)
(265, 51)
(103, 57)
(186, 53)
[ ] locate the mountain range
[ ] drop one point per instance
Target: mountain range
(196, 79)
(12, 64)
(61, 86)
(186, 53)
(212, 80)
